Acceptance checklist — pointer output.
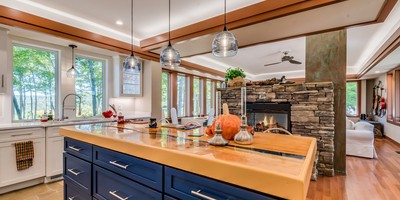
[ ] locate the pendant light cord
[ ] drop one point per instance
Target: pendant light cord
(73, 60)
(169, 23)
(225, 29)
(131, 27)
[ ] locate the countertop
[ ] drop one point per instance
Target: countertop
(280, 165)
(38, 124)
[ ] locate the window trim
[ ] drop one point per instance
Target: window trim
(358, 111)
(393, 103)
(57, 73)
(105, 80)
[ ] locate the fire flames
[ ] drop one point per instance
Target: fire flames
(268, 121)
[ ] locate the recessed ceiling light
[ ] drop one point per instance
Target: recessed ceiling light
(119, 22)
(377, 72)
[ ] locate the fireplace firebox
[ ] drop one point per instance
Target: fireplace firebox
(262, 116)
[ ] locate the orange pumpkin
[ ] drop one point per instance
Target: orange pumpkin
(230, 124)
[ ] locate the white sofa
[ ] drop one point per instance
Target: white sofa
(360, 139)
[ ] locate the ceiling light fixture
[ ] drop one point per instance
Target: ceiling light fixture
(170, 57)
(119, 22)
(224, 43)
(131, 62)
(72, 72)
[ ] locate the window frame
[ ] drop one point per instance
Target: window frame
(358, 111)
(57, 77)
(393, 97)
(169, 93)
(105, 80)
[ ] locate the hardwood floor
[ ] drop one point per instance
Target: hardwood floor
(366, 179)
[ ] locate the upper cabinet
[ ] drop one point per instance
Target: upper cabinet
(127, 82)
(3, 59)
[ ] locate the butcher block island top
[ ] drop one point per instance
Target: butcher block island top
(278, 165)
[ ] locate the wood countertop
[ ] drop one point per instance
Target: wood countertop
(279, 165)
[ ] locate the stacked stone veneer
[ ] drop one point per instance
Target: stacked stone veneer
(311, 113)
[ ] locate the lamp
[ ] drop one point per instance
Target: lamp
(131, 62)
(224, 43)
(72, 72)
(170, 57)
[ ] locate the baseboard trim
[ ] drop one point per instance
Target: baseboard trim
(22, 185)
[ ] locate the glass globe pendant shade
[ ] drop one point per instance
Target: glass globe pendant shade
(72, 72)
(224, 44)
(170, 57)
(131, 63)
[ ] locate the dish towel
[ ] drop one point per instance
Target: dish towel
(24, 154)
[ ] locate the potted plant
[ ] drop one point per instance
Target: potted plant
(235, 77)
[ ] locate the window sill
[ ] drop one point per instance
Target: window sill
(393, 122)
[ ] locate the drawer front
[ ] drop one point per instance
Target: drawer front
(21, 134)
(74, 192)
(79, 171)
(166, 197)
(108, 185)
(184, 185)
(80, 149)
(142, 171)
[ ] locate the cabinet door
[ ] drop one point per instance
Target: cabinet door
(54, 156)
(9, 173)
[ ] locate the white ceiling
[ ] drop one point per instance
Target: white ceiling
(151, 18)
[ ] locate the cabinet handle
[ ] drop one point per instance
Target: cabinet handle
(74, 148)
(118, 165)
(197, 193)
(2, 80)
(16, 135)
(71, 198)
(73, 172)
(117, 196)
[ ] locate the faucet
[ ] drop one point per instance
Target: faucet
(63, 105)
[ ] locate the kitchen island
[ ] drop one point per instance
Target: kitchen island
(275, 166)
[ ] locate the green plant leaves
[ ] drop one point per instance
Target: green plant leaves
(233, 73)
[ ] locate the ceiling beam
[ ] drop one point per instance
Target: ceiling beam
(256, 13)
(16, 18)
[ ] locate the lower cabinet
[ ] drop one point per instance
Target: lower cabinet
(116, 176)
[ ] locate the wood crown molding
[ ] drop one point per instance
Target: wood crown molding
(256, 13)
(16, 18)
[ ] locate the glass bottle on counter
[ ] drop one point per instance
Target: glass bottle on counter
(121, 119)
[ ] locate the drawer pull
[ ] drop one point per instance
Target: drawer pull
(118, 165)
(117, 196)
(197, 193)
(73, 172)
(25, 134)
(74, 148)
(71, 198)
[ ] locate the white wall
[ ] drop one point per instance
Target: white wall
(390, 130)
(130, 105)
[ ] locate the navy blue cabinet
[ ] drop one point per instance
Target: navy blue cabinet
(74, 192)
(142, 171)
(77, 148)
(78, 171)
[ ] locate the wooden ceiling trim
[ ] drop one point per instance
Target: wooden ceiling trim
(252, 14)
(15, 18)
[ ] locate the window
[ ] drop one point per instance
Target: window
(89, 85)
(165, 93)
(34, 82)
(218, 84)
(393, 97)
(209, 96)
(181, 95)
(196, 96)
(352, 98)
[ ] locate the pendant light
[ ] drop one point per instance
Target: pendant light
(72, 72)
(170, 57)
(224, 43)
(131, 62)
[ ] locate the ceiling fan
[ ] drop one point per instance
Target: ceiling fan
(285, 57)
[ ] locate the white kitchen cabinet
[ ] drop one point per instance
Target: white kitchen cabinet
(127, 83)
(3, 59)
(54, 152)
(8, 168)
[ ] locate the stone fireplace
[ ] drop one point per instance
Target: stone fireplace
(310, 113)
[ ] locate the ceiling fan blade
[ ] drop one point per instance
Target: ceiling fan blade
(272, 64)
(295, 62)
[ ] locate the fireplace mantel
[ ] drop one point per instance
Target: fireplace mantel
(311, 112)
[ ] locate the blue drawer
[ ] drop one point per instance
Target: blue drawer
(77, 148)
(142, 171)
(108, 185)
(72, 191)
(184, 185)
(78, 171)
(166, 197)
